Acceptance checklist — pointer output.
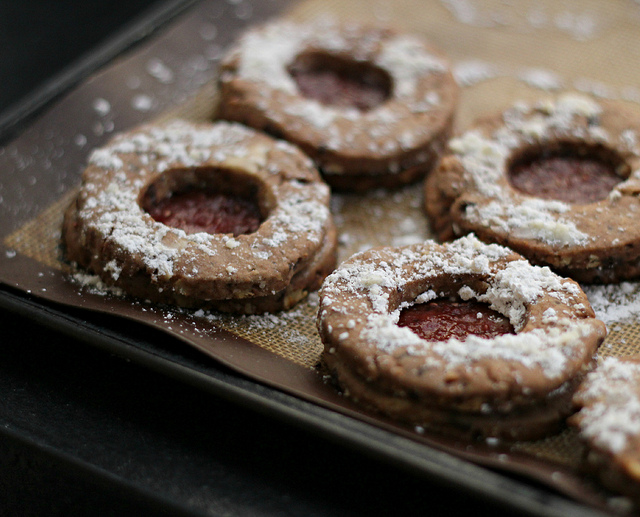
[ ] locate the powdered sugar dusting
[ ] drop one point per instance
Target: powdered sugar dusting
(95, 285)
(512, 288)
(581, 25)
(530, 219)
(469, 73)
(262, 56)
(541, 78)
(611, 413)
(485, 158)
(405, 58)
(519, 284)
(613, 304)
(265, 54)
(113, 211)
(548, 351)
(176, 142)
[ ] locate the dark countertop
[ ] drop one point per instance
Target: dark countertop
(83, 432)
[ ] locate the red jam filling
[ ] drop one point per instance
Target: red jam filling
(198, 211)
(440, 320)
(338, 82)
(572, 179)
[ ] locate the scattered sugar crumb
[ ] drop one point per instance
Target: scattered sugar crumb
(465, 11)
(615, 303)
(101, 106)
(593, 87)
(94, 285)
(142, 102)
(157, 69)
(541, 78)
(469, 73)
(581, 26)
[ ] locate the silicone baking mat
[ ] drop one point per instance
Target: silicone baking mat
(500, 51)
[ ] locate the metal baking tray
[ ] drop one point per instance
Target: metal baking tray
(158, 65)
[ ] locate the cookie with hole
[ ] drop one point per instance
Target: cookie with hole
(557, 180)
(204, 215)
(373, 107)
(464, 338)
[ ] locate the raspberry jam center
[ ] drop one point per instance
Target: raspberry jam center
(565, 177)
(211, 212)
(340, 82)
(440, 320)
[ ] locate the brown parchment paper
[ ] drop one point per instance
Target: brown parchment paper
(500, 51)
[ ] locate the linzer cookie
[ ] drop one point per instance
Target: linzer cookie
(609, 423)
(557, 181)
(211, 215)
(372, 107)
(465, 338)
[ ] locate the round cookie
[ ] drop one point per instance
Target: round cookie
(372, 107)
(512, 385)
(268, 265)
(556, 180)
(609, 423)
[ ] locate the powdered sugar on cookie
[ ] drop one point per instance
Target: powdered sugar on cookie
(510, 286)
(120, 217)
(610, 416)
(486, 158)
(530, 219)
(109, 231)
(556, 180)
(386, 114)
(502, 384)
(265, 54)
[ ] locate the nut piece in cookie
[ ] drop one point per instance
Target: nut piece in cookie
(203, 215)
(465, 338)
(556, 180)
(371, 107)
(609, 423)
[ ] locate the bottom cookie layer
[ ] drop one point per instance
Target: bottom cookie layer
(527, 422)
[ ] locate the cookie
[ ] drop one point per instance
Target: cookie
(609, 423)
(371, 107)
(203, 215)
(556, 180)
(511, 340)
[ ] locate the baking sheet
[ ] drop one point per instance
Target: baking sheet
(500, 51)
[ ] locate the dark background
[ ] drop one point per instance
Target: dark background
(39, 38)
(83, 432)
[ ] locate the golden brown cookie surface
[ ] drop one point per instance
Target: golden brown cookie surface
(555, 180)
(370, 106)
(110, 230)
(510, 385)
